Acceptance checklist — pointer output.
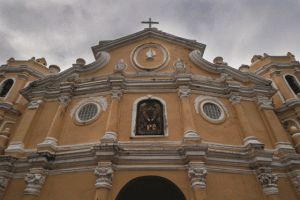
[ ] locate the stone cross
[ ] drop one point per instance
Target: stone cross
(149, 22)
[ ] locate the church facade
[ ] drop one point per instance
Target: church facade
(150, 119)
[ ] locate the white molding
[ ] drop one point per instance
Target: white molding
(213, 100)
(293, 120)
(134, 115)
(101, 100)
(20, 96)
(1, 86)
(5, 122)
(279, 93)
(81, 107)
(296, 97)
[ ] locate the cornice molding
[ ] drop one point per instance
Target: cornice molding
(278, 66)
(196, 57)
(289, 105)
(22, 68)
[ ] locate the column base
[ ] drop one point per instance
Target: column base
(251, 142)
(191, 137)
(271, 191)
(109, 137)
(285, 147)
(49, 144)
(15, 149)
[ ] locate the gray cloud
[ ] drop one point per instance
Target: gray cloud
(62, 31)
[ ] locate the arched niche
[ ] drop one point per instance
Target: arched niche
(150, 188)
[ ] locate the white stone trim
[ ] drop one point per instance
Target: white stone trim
(289, 84)
(3, 124)
(1, 86)
(213, 100)
(134, 115)
(20, 96)
(81, 107)
(293, 120)
(143, 46)
(101, 100)
(279, 93)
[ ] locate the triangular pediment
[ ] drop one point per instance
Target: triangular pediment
(109, 45)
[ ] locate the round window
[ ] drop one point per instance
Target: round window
(87, 112)
(212, 111)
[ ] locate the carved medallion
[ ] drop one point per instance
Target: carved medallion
(150, 56)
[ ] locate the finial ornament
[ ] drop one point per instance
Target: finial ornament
(149, 22)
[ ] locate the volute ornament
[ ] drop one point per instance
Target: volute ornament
(104, 177)
(34, 183)
(197, 177)
(268, 182)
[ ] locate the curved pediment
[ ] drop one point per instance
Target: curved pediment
(196, 57)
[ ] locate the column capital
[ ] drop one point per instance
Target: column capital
(116, 94)
(197, 177)
(104, 176)
(184, 93)
(64, 100)
(34, 104)
(34, 183)
(297, 183)
(235, 99)
(268, 182)
(264, 103)
(275, 73)
(3, 183)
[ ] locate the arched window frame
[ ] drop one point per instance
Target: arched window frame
(297, 81)
(2, 84)
(134, 116)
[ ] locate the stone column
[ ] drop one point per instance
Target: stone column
(247, 132)
(297, 183)
(279, 133)
(268, 182)
(281, 85)
(189, 129)
(104, 176)
(110, 135)
(34, 183)
(4, 137)
(295, 132)
(24, 129)
(197, 177)
(14, 93)
(53, 133)
(3, 184)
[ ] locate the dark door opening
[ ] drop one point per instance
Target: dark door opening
(150, 188)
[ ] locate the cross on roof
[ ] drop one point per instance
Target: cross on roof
(149, 22)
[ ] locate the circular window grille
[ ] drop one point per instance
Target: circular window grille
(88, 112)
(212, 111)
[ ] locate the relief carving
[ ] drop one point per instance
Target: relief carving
(3, 183)
(104, 177)
(34, 183)
(197, 177)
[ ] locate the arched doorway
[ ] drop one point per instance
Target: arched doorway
(150, 188)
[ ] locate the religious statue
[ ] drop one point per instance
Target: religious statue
(150, 54)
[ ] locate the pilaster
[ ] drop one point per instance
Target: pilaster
(23, 131)
(282, 143)
(34, 183)
(268, 181)
(197, 178)
(53, 133)
(281, 84)
(247, 132)
(104, 176)
(110, 135)
(189, 131)
(4, 137)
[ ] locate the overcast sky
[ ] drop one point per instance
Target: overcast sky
(64, 30)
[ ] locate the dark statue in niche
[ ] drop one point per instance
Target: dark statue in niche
(149, 119)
